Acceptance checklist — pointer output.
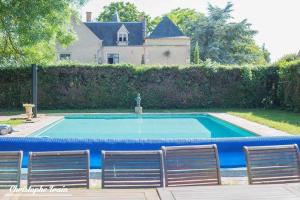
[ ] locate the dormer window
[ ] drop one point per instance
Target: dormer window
(122, 36)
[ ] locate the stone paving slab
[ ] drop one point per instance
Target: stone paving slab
(40, 122)
(254, 127)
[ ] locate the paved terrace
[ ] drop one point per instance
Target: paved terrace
(244, 192)
(253, 127)
(28, 128)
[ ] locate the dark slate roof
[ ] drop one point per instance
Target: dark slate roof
(107, 31)
(166, 28)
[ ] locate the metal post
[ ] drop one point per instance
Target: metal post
(34, 89)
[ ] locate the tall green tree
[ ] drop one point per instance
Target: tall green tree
(196, 55)
(29, 29)
(266, 53)
(128, 12)
(224, 41)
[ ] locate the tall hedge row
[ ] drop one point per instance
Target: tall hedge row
(289, 85)
(165, 87)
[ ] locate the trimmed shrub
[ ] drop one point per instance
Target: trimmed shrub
(106, 86)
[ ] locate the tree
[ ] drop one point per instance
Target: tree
(196, 56)
(128, 12)
(282, 62)
(224, 41)
(266, 53)
(29, 29)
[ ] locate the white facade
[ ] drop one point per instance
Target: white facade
(88, 48)
(85, 49)
(168, 51)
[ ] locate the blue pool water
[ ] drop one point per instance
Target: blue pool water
(147, 132)
(146, 126)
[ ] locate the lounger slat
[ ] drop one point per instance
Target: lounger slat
(65, 169)
(191, 165)
(273, 164)
(60, 159)
(125, 175)
(10, 168)
(58, 166)
(132, 169)
(58, 173)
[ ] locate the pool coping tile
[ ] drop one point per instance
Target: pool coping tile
(253, 127)
(44, 120)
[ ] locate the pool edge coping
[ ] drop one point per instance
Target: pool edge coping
(254, 127)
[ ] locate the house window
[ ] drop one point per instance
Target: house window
(123, 37)
(112, 58)
(64, 56)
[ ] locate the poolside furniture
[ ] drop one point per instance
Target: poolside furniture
(59, 169)
(273, 164)
(191, 165)
(10, 168)
(132, 169)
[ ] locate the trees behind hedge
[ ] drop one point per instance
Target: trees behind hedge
(29, 29)
(224, 41)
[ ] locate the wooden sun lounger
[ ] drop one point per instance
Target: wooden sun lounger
(59, 169)
(10, 168)
(273, 164)
(191, 165)
(132, 169)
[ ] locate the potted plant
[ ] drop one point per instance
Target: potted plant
(28, 110)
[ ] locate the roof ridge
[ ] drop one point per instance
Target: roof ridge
(107, 32)
(113, 22)
(166, 28)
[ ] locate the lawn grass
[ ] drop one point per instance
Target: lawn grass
(278, 119)
(13, 122)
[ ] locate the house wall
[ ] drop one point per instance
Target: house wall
(169, 51)
(86, 47)
(127, 54)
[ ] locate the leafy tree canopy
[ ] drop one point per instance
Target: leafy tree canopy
(224, 41)
(196, 54)
(29, 29)
(128, 12)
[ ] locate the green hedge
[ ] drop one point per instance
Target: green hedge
(160, 87)
(289, 85)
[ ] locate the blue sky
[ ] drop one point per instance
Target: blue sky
(278, 21)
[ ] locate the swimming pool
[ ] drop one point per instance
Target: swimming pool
(146, 126)
(147, 132)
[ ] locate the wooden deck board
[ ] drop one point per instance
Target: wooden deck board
(79, 194)
(245, 192)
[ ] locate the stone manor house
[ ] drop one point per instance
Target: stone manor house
(127, 42)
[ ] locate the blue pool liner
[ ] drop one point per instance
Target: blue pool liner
(230, 149)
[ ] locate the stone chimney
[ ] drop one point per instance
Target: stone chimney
(88, 16)
(115, 17)
(143, 20)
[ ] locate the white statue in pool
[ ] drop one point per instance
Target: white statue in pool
(138, 100)
(138, 109)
